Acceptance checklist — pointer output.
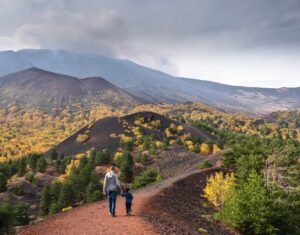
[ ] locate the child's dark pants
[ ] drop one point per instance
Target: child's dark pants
(128, 208)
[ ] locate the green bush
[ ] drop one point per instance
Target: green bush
(41, 165)
(30, 177)
(7, 218)
(205, 164)
(147, 177)
(21, 212)
(19, 190)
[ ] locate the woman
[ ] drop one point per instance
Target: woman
(111, 187)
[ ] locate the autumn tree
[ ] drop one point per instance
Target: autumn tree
(204, 149)
(218, 187)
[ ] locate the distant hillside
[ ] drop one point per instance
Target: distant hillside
(106, 132)
(152, 84)
(42, 89)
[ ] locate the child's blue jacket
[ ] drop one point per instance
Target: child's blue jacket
(128, 197)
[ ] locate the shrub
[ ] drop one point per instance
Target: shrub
(205, 164)
(118, 158)
(204, 149)
(3, 182)
(147, 177)
(22, 167)
(41, 164)
(218, 187)
(138, 157)
(126, 142)
(19, 190)
(82, 138)
(250, 209)
(6, 217)
(30, 177)
(216, 149)
(21, 212)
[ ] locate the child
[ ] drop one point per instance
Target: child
(128, 200)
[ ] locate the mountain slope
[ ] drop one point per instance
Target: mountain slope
(42, 89)
(152, 84)
(99, 134)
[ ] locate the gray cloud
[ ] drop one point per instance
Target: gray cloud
(184, 37)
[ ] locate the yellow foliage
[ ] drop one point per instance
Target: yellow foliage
(216, 149)
(180, 128)
(118, 156)
(218, 187)
(66, 209)
(204, 149)
(168, 132)
(189, 142)
(172, 142)
(74, 163)
(186, 136)
(159, 144)
(113, 135)
(82, 138)
(126, 139)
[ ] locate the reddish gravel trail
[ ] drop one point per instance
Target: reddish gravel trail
(94, 219)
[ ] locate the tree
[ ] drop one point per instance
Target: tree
(6, 217)
(32, 161)
(45, 201)
(22, 167)
(216, 149)
(204, 149)
(93, 190)
(3, 182)
(149, 176)
(249, 208)
(102, 157)
(41, 164)
(66, 195)
(21, 213)
(126, 167)
(246, 164)
(53, 155)
(218, 187)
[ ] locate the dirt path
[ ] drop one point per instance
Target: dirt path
(94, 219)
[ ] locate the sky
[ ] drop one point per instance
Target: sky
(238, 42)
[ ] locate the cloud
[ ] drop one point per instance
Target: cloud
(187, 38)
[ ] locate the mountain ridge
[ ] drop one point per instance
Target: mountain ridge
(154, 85)
(44, 89)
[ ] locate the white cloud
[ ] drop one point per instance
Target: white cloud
(224, 41)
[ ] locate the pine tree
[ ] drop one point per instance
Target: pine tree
(22, 167)
(32, 161)
(93, 190)
(3, 182)
(66, 196)
(41, 164)
(45, 201)
(53, 155)
(7, 218)
(126, 167)
(21, 214)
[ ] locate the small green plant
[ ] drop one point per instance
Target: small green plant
(30, 177)
(19, 190)
(205, 164)
(147, 177)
